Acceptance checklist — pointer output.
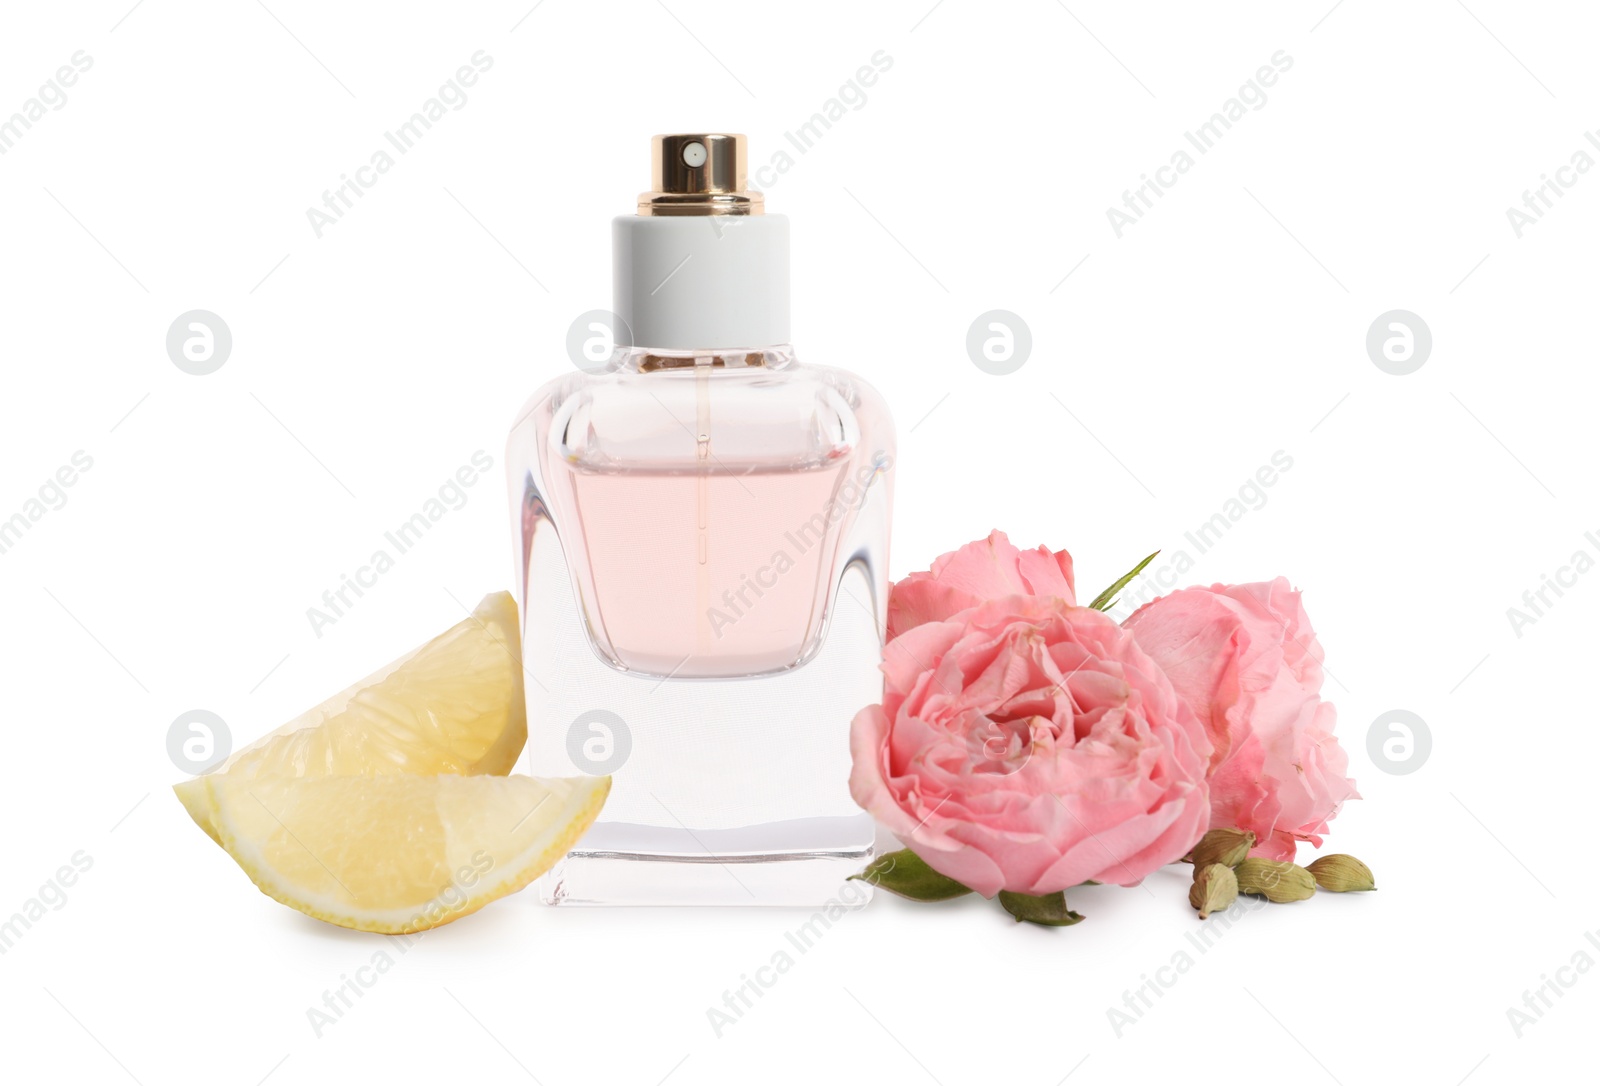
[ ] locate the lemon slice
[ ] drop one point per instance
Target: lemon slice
(396, 853)
(453, 705)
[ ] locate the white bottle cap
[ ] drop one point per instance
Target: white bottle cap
(701, 266)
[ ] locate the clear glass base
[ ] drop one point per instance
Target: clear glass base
(724, 791)
(621, 864)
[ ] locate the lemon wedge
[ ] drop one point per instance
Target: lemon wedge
(453, 705)
(398, 853)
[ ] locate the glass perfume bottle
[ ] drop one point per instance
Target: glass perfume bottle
(701, 536)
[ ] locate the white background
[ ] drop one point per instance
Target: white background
(369, 364)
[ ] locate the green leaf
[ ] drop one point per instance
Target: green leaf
(1049, 910)
(907, 874)
(1105, 600)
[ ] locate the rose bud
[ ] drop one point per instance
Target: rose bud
(1275, 880)
(1215, 888)
(1227, 847)
(1341, 873)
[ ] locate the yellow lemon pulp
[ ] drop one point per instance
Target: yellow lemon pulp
(399, 853)
(453, 705)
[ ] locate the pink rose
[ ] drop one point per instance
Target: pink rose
(1029, 745)
(1248, 663)
(985, 570)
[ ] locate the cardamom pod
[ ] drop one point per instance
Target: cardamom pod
(1275, 881)
(1341, 873)
(1228, 847)
(1215, 888)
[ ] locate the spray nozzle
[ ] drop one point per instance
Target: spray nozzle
(700, 173)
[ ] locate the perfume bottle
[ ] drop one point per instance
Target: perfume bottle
(701, 529)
